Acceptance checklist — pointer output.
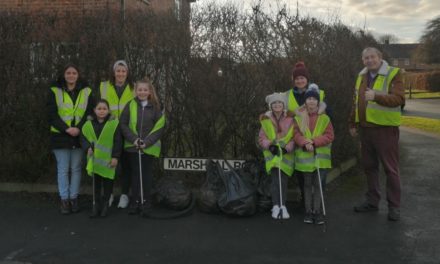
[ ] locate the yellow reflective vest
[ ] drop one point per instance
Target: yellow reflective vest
(103, 146)
(153, 150)
(292, 104)
(376, 113)
(108, 92)
(71, 113)
(284, 161)
(305, 161)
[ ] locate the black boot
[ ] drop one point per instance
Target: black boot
(134, 208)
(95, 211)
(104, 210)
(74, 206)
(65, 207)
(146, 209)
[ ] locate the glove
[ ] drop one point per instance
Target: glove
(274, 150)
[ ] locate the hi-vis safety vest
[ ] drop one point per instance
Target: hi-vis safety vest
(375, 113)
(292, 104)
(305, 161)
(108, 92)
(284, 161)
(153, 150)
(103, 146)
(67, 110)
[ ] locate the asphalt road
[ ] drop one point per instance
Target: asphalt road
(32, 230)
(429, 108)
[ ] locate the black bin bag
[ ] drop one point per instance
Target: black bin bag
(211, 189)
(239, 197)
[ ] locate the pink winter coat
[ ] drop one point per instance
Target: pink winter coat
(282, 127)
(323, 140)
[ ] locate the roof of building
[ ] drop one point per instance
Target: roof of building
(399, 50)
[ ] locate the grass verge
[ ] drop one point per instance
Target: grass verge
(426, 124)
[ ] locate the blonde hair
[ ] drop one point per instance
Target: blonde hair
(304, 125)
(153, 98)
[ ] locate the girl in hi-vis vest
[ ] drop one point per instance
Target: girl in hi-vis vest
(313, 138)
(102, 140)
(142, 124)
(276, 140)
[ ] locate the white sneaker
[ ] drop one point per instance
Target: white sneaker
(275, 211)
(285, 213)
(110, 200)
(123, 201)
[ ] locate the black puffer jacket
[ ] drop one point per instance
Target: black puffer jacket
(64, 140)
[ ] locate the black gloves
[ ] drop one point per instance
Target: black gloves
(275, 150)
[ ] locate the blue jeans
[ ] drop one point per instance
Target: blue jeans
(68, 159)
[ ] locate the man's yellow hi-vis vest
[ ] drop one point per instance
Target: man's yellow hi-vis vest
(375, 113)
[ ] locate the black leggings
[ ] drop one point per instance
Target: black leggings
(103, 183)
(147, 176)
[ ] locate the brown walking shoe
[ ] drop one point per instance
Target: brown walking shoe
(365, 207)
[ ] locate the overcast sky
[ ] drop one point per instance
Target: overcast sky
(406, 19)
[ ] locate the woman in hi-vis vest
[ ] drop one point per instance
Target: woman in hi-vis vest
(69, 102)
(118, 91)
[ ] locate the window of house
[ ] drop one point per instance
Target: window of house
(395, 62)
(406, 62)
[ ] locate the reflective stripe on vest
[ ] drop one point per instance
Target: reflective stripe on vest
(153, 150)
(375, 113)
(108, 92)
(67, 111)
(103, 147)
(284, 162)
(305, 161)
(292, 104)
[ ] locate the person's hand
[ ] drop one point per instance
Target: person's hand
(353, 131)
(309, 141)
(73, 131)
(310, 148)
(113, 163)
(90, 152)
(274, 149)
(139, 143)
(369, 94)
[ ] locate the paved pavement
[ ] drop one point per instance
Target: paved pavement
(32, 231)
(429, 108)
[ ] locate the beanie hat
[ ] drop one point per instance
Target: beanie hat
(300, 70)
(120, 63)
(272, 98)
(312, 91)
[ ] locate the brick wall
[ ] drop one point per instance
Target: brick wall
(37, 6)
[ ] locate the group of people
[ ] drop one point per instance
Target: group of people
(296, 135)
(118, 131)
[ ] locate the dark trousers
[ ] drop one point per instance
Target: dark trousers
(300, 179)
(381, 144)
(147, 176)
(312, 193)
(105, 184)
(275, 187)
(124, 172)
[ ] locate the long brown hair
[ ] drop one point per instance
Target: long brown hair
(153, 99)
